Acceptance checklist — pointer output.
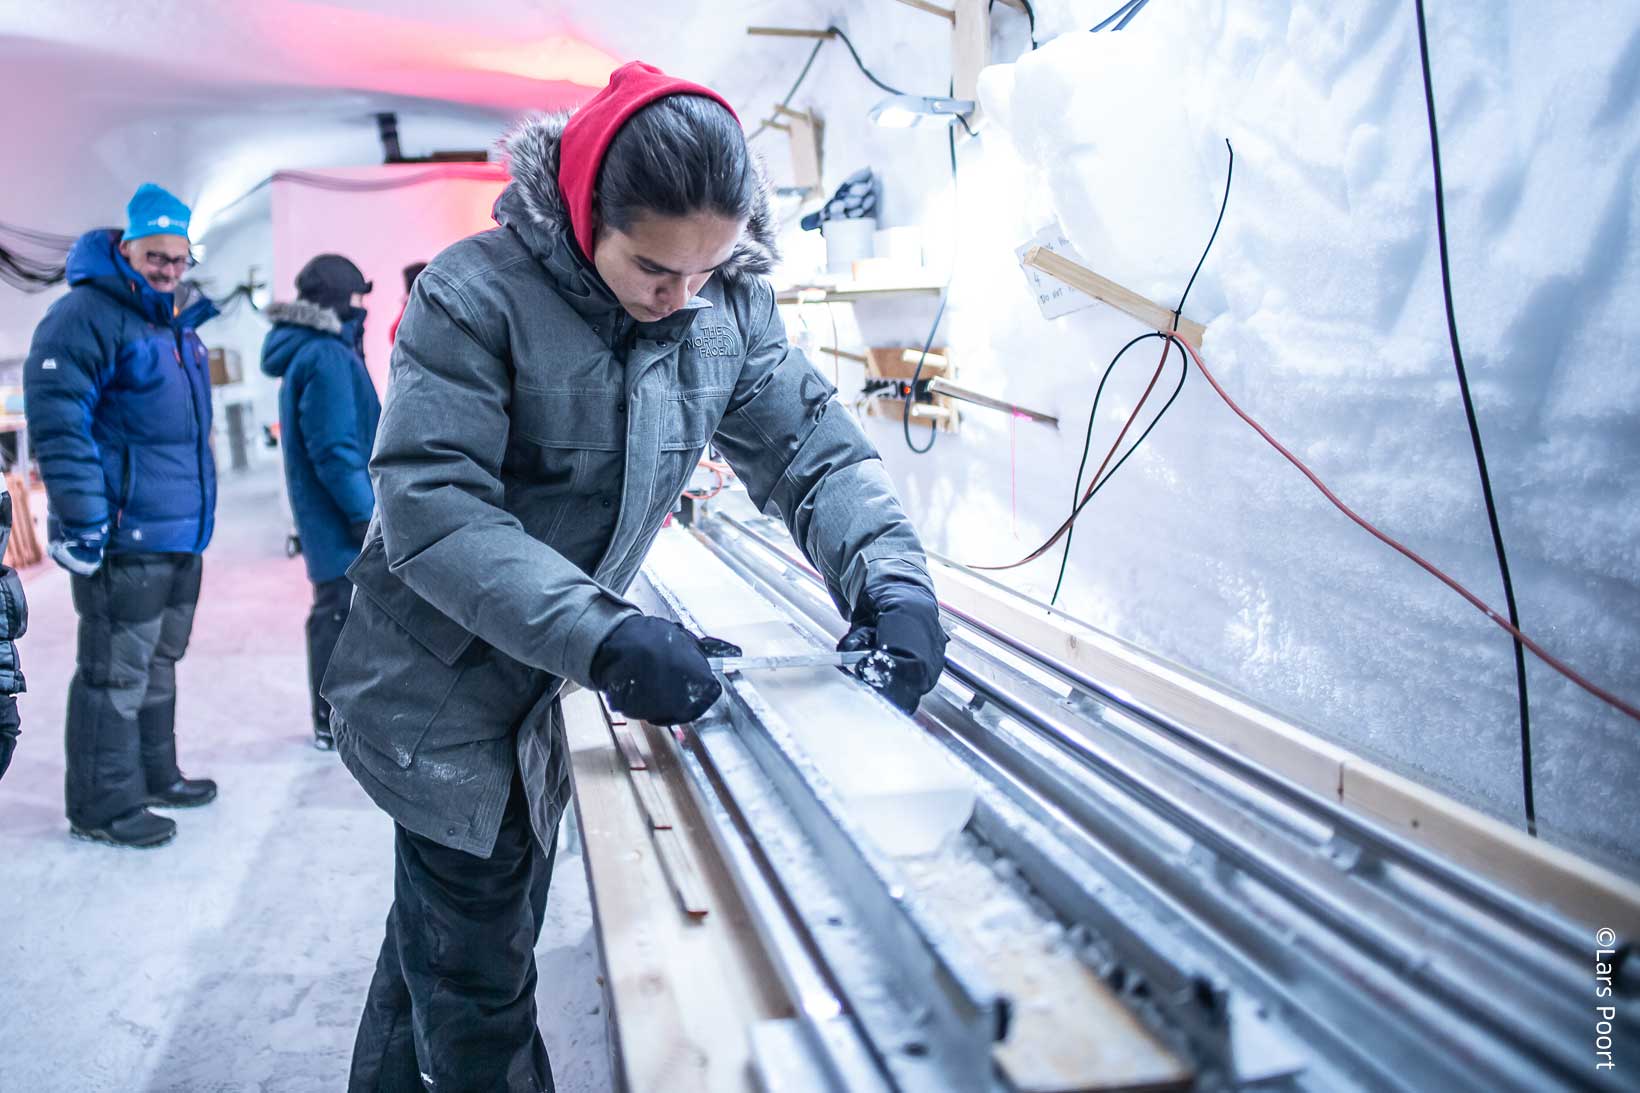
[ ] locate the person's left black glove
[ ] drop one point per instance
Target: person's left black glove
(899, 621)
(9, 726)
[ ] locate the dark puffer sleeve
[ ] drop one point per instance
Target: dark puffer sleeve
(13, 609)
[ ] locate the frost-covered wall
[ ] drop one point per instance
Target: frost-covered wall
(1323, 304)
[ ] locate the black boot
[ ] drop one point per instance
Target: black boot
(137, 828)
(323, 738)
(183, 793)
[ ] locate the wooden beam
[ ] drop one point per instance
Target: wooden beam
(970, 47)
(802, 115)
(791, 32)
(1082, 279)
(935, 361)
(804, 131)
(942, 386)
(931, 8)
(770, 123)
(857, 358)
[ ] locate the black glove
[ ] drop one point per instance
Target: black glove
(899, 621)
(9, 723)
(656, 671)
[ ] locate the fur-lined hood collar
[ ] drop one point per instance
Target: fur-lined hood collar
(305, 313)
(532, 160)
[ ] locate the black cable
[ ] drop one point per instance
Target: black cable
(1224, 203)
(1475, 429)
(797, 83)
(1124, 13)
(1087, 444)
(1030, 17)
(1229, 173)
(861, 65)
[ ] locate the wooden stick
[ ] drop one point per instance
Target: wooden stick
(655, 808)
(680, 870)
(770, 123)
(857, 358)
(629, 749)
(931, 8)
(938, 386)
(1083, 279)
(935, 361)
(802, 115)
(791, 32)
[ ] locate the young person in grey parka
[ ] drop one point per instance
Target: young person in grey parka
(554, 382)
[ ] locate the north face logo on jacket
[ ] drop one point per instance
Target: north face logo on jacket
(713, 341)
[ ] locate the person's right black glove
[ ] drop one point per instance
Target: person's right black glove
(656, 671)
(9, 722)
(899, 622)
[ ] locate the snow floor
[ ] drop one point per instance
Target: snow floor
(235, 958)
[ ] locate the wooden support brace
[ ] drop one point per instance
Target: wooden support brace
(801, 115)
(804, 133)
(791, 32)
(970, 47)
(858, 358)
(770, 123)
(931, 8)
(940, 386)
(1082, 279)
(934, 362)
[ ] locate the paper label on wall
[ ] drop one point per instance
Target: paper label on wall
(1053, 296)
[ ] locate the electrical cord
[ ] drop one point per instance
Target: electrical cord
(861, 65)
(1224, 203)
(1124, 14)
(797, 83)
(1475, 432)
(928, 342)
(1097, 482)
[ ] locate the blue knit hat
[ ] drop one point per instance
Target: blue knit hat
(154, 210)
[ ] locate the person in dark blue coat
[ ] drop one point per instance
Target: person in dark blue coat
(328, 409)
(117, 392)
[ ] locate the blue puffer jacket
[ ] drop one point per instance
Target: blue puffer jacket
(117, 391)
(328, 411)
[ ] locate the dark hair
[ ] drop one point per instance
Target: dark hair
(679, 155)
(411, 272)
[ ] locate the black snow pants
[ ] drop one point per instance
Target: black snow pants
(452, 1005)
(331, 600)
(136, 614)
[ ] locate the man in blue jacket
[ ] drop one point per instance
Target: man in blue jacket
(117, 393)
(328, 411)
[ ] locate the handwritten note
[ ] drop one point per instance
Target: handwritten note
(1054, 297)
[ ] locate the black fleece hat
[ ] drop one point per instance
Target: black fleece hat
(330, 281)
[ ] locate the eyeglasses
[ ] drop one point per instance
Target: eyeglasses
(157, 260)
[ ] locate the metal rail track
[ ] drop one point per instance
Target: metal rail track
(1276, 937)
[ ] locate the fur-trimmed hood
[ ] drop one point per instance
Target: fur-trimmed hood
(305, 313)
(532, 160)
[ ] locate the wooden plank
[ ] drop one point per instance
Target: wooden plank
(1541, 872)
(611, 714)
(1082, 279)
(970, 47)
(931, 8)
(687, 886)
(1537, 870)
(942, 386)
(781, 108)
(628, 748)
(654, 806)
(790, 32)
(805, 133)
(858, 358)
(671, 1027)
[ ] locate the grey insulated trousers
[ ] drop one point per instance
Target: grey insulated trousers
(136, 614)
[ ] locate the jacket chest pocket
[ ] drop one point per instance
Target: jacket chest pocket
(564, 441)
(691, 417)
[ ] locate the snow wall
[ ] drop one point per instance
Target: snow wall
(1323, 303)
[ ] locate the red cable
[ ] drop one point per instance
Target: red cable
(1092, 482)
(1474, 601)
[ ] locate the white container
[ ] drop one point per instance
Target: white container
(901, 246)
(846, 242)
